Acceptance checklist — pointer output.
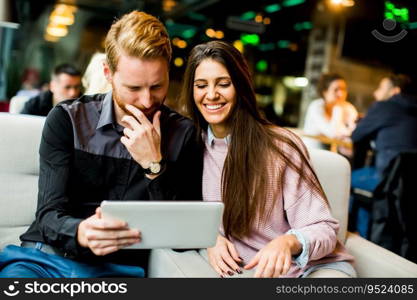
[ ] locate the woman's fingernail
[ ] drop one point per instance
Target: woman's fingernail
(239, 271)
(230, 273)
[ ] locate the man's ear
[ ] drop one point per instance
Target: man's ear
(52, 84)
(107, 72)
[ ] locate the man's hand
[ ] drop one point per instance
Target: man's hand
(141, 137)
(224, 258)
(104, 236)
(275, 258)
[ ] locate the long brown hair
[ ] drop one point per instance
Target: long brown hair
(254, 142)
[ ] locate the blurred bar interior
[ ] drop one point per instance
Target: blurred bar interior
(288, 43)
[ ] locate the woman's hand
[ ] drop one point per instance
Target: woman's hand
(275, 258)
(224, 258)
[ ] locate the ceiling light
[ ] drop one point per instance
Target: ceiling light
(57, 30)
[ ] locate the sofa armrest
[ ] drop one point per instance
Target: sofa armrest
(372, 260)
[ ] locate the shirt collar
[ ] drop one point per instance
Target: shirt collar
(211, 137)
(107, 115)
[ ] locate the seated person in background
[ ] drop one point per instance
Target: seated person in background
(332, 115)
(123, 145)
(391, 123)
(93, 79)
(65, 84)
(276, 217)
(29, 86)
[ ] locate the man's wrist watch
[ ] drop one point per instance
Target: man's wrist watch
(155, 168)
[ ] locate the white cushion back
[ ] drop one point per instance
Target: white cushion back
(333, 171)
(19, 169)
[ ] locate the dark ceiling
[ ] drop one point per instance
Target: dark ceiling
(284, 41)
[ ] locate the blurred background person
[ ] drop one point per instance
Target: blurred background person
(390, 86)
(29, 84)
(363, 149)
(331, 115)
(390, 126)
(390, 123)
(65, 84)
(93, 80)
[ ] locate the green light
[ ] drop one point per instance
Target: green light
(395, 13)
(196, 16)
(288, 3)
(262, 65)
(181, 30)
(248, 15)
(189, 33)
(389, 5)
(303, 26)
(267, 47)
(272, 8)
(251, 39)
(412, 25)
(283, 44)
(389, 15)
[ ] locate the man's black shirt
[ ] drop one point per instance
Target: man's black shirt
(39, 105)
(83, 162)
(393, 125)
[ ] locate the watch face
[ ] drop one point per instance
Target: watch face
(155, 168)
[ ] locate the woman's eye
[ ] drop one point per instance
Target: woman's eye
(200, 86)
(224, 84)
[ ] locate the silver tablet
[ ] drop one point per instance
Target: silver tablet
(169, 224)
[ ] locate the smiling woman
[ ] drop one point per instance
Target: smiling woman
(274, 206)
(214, 95)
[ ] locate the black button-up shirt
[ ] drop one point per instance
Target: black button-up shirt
(83, 162)
(39, 105)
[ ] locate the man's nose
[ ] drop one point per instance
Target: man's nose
(146, 99)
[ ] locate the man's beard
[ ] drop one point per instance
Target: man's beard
(120, 103)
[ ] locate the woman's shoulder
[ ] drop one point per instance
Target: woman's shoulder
(317, 103)
(289, 135)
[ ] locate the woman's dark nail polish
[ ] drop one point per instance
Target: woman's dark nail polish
(230, 273)
(239, 271)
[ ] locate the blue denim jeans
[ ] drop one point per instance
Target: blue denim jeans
(19, 262)
(366, 179)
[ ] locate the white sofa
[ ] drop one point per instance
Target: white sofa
(19, 143)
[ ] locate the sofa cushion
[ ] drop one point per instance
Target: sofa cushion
(10, 235)
(333, 171)
(19, 143)
(19, 160)
(18, 199)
